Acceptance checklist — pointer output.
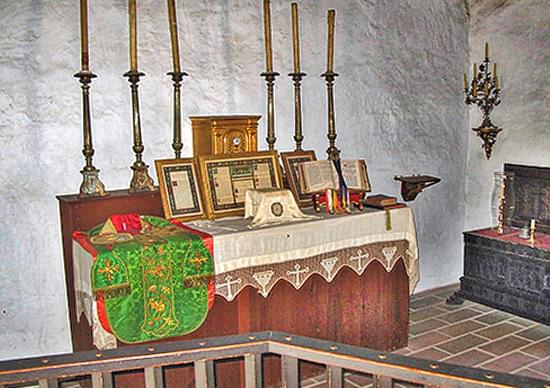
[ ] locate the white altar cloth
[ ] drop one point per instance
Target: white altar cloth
(294, 252)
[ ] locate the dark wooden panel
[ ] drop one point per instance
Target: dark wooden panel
(531, 190)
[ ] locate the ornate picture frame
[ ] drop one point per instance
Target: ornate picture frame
(225, 179)
(180, 189)
(290, 164)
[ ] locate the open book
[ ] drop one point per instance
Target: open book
(320, 175)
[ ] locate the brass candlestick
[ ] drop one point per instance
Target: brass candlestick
(91, 185)
(270, 80)
(332, 151)
(177, 77)
(141, 181)
(298, 134)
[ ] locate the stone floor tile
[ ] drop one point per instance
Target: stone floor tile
(434, 291)
(498, 330)
(494, 317)
(542, 367)
(509, 363)
(311, 383)
(360, 379)
(459, 315)
(460, 344)
(504, 345)
(417, 304)
(428, 339)
(425, 313)
(536, 333)
(402, 352)
(522, 321)
(481, 307)
(424, 326)
(430, 354)
(445, 292)
(461, 328)
(539, 349)
(470, 358)
(322, 384)
(528, 372)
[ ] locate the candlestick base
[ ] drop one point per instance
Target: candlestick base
(91, 184)
(141, 181)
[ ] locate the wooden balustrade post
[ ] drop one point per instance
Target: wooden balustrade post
(290, 372)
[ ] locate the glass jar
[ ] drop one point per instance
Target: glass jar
(503, 186)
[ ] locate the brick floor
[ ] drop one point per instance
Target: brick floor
(471, 335)
(479, 336)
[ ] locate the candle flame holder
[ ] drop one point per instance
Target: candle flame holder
(484, 92)
(141, 181)
(177, 78)
(91, 185)
(270, 81)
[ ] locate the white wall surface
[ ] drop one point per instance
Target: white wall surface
(518, 33)
(398, 105)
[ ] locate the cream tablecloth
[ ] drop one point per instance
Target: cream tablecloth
(294, 252)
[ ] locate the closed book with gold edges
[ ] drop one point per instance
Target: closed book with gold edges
(380, 201)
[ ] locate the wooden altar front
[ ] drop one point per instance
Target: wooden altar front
(369, 310)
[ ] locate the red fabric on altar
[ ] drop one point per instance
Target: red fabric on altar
(511, 235)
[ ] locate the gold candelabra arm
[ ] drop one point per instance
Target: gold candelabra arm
(91, 185)
(332, 151)
(177, 78)
(141, 181)
(270, 80)
(484, 92)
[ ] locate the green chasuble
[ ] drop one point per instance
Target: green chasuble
(154, 284)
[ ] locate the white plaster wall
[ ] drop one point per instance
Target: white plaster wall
(518, 33)
(398, 105)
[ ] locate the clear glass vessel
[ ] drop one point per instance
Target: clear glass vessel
(503, 186)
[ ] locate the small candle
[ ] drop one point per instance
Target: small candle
(330, 45)
(84, 59)
(486, 50)
(173, 24)
(295, 37)
(486, 88)
(475, 72)
(267, 37)
(532, 224)
(495, 70)
(132, 15)
(465, 82)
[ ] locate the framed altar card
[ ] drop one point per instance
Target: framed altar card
(291, 162)
(180, 189)
(226, 178)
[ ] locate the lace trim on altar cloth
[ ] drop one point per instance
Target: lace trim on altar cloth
(296, 272)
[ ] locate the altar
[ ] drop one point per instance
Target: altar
(343, 278)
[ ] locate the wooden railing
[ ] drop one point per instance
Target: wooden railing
(386, 369)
